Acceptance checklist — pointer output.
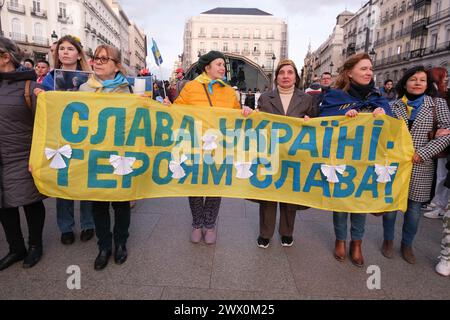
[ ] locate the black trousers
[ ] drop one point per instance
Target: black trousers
(10, 219)
(102, 222)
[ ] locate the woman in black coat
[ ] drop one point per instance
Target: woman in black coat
(17, 189)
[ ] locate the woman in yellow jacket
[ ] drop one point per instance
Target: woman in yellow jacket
(208, 90)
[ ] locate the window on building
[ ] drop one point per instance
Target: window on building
(16, 27)
(225, 32)
(269, 34)
(36, 5)
(256, 47)
(434, 39)
(269, 48)
(236, 33)
(246, 47)
(38, 30)
(215, 32)
(215, 46)
(236, 47)
(256, 34)
(62, 10)
(225, 47)
(399, 50)
(246, 33)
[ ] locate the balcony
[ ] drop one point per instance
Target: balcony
(269, 52)
(236, 36)
(126, 61)
(94, 31)
(226, 36)
(41, 41)
(38, 13)
(64, 19)
(270, 37)
(420, 3)
(236, 51)
(256, 36)
(439, 16)
(215, 35)
(402, 9)
(19, 37)
(419, 27)
(87, 27)
(246, 52)
(256, 52)
(390, 37)
(445, 46)
(18, 8)
(202, 35)
(246, 36)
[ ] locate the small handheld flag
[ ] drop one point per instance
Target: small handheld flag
(156, 53)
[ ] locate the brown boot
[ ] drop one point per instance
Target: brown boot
(407, 254)
(356, 254)
(388, 248)
(339, 250)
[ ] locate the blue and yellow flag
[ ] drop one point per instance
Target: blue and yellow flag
(156, 53)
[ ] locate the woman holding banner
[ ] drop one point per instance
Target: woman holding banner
(69, 56)
(109, 77)
(286, 100)
(17, 189)
(355, 92)
(208, 90)
(422, 113)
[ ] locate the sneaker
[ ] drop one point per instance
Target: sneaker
(263, 242)
(196, 235)
(210, 236)
(287, 241)
(428, 207)
(443, 268)
(435, 214)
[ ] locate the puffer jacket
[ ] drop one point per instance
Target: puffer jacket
(16, 129)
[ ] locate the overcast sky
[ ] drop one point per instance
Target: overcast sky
(163, 20)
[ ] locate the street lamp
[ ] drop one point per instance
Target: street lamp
(54, 37)
(331, 67)
(372, 54)
(273, 68)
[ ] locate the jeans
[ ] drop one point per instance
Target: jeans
(410, 223)
(358, 221)
(441, 193)
(65, 215)
(122, 213)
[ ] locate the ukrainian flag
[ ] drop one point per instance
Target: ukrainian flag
(156, 53)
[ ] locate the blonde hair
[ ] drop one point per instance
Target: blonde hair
(82, 63)
(113, 53)
(343, 80)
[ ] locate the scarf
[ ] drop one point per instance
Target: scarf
(361, 91)
(118, 81)
(337, 102)
(413, 106)
(205, 79)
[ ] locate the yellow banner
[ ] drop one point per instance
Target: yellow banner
(117, 147)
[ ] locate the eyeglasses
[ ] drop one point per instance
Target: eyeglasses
(102, 60)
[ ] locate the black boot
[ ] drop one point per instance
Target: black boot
(121, 254)
(102, 259)
(33, 256)
(11, 258)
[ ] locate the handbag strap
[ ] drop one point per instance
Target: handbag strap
(207, 94)
(435, 124)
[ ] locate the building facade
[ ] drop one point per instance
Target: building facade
(413, 32)
(36, 24)
(252, 33)
(138, 47)
(328, 57)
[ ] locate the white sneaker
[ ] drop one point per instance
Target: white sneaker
(435, 214)
(443, 268)
(428, 207)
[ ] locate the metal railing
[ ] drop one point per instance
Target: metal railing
(20, 8)
(38, 13)
(42, 41)
(18, 37)
(438, 16)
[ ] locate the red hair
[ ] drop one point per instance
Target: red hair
(439, 74)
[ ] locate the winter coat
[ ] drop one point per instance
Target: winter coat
(193, 93)
(422, 173)
(17, 186)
